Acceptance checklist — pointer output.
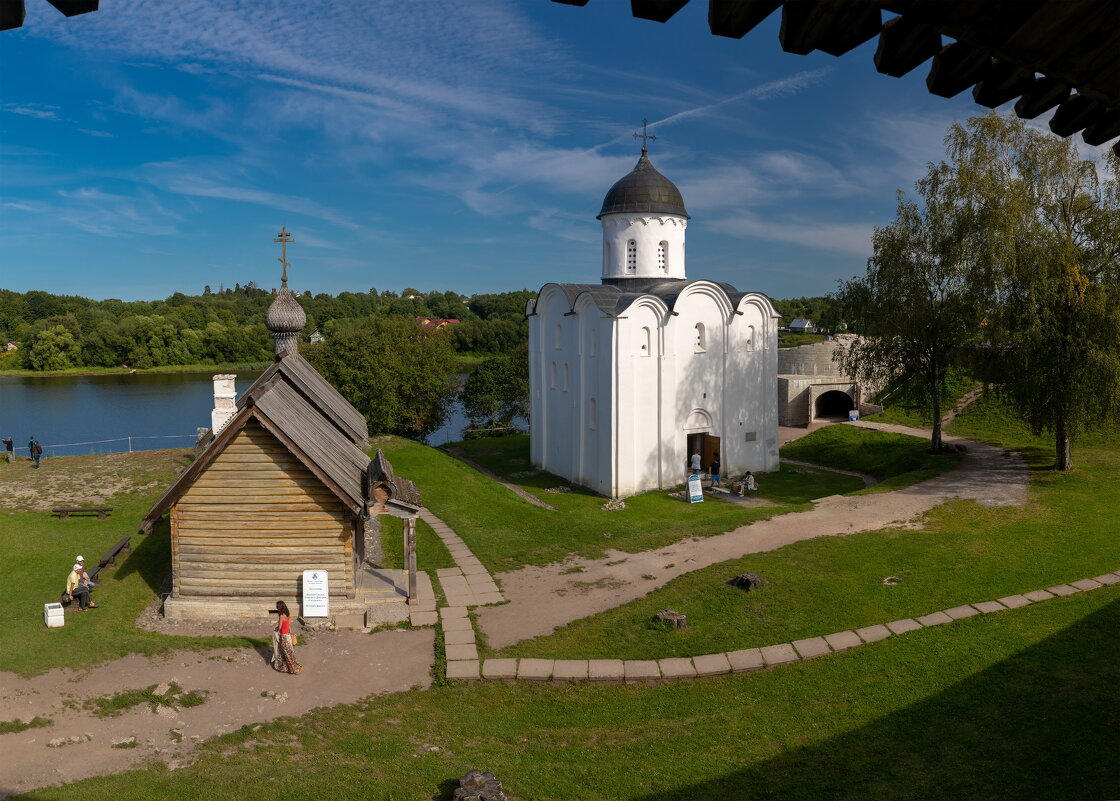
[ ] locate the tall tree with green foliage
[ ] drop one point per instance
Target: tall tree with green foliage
(1051, 251)
(918, 305)
(398, 374)
(496, 393)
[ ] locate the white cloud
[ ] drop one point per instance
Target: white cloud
(32, 110)
(187, 179)
(848, 238)
(96, 211)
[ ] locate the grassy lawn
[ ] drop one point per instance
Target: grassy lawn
(37, 550)
(964, 553)
(431, 553)
(1014, 705)
(506, 531)
(897, 460)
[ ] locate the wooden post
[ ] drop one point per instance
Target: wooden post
(410, 556)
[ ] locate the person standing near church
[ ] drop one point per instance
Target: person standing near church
(9, 449)
(36, 451)
(695, 463)
(715, 469)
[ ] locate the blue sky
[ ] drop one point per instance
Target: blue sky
(154, 147)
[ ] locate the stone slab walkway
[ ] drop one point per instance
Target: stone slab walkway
(468, 584)
(747, 659)
(542, 598)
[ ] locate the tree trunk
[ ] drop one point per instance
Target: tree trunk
(1063, 457)
(935, 437)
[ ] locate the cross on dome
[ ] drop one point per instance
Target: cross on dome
(644, 135)
(284, 238)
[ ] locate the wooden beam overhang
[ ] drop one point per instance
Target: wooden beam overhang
(13, 12)
(1043, 96)
(957, 67)
(1105, 128)
(831, 26)
(735, 18)
(904, 45)
(1005, 82)
(1036, 50)
(656, 10)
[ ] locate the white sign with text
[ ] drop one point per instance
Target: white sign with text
(316, 601)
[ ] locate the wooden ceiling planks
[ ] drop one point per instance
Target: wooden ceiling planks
(1038, 51)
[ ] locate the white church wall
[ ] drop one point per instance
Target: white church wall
(751, 392)
(640, 345)
(647, 233)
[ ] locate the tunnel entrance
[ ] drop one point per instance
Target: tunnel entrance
(833, 405)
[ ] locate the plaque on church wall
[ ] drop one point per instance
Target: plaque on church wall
(695, 491)
(316, 602)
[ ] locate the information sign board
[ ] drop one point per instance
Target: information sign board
(695, 490)
(316, 601)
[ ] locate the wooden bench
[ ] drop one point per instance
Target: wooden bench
(110, 559)
(102, 512)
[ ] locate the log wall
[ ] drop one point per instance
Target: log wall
(254, 520)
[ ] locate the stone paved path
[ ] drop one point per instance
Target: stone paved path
(619, 670)
(542, 598)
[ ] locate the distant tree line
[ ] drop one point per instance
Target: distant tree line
(58, 332)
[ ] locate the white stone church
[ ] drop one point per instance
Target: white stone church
(630, 376)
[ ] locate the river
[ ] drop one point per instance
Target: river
(92, 414)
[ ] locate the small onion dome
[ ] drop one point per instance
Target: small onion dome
(645, 191)
(285, 315)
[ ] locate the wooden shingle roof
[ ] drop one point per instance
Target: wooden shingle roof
(401, 490)
(317, 391)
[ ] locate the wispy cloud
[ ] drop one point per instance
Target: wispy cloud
(36, 111)
(107, 214)
(852, 239)
(183, 179)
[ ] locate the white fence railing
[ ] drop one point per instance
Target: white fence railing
(49, 450)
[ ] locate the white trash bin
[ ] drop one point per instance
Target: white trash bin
(54, 616)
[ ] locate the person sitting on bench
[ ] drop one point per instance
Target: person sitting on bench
(78, 590)
(84, 576)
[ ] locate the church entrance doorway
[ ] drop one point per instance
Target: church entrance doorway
(706, 444)
(833, 405)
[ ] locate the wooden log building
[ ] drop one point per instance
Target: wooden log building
(283, 486)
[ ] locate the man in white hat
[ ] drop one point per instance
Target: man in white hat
(84, 575)
(77, 590)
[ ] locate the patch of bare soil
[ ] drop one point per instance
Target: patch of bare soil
(238, 686)
(86, 480)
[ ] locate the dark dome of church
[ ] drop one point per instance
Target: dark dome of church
(644, 190)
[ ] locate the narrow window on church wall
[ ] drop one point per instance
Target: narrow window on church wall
(701, 340)
(592, 414)
(553, 375)
(644, 341)
(593, 345)
(606, 254)
(663, 256)
(565, 377)
(750, 337)
(631, 256)
(558, 338)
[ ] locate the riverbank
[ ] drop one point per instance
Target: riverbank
(170, 368)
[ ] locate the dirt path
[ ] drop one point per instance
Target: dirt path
(240, 688)
(542, 598)
(867, 479)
